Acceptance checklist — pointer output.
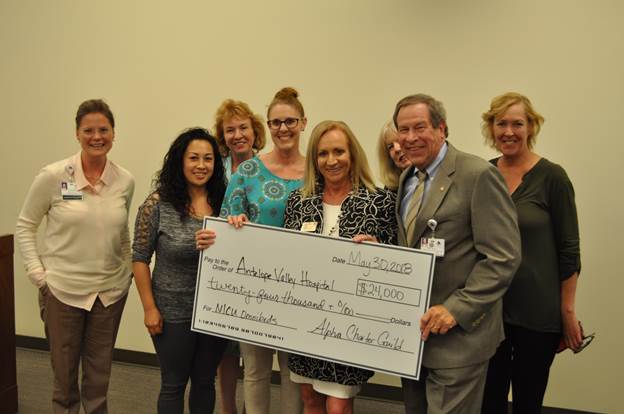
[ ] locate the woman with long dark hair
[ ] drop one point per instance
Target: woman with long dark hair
(189, 186)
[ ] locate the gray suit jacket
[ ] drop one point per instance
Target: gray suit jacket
(477, 219)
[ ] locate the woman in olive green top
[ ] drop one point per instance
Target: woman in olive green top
(539, 305)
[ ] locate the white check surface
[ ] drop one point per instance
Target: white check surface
(356, 304)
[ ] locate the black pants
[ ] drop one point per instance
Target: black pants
(183, 355)
(522, 359)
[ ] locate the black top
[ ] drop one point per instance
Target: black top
(550, 247)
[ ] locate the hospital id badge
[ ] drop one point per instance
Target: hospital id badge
(69, 191)
(432, 245)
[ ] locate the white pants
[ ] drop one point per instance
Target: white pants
(258, 363)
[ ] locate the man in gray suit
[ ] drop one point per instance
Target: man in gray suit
(457, 205)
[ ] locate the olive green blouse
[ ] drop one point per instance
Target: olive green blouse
(550, 247)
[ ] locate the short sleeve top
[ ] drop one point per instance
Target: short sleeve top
(255, 191)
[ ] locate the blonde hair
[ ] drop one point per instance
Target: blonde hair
(389, 172)
(500, 105)
(287, 96)
(360, 171)
(231, 108)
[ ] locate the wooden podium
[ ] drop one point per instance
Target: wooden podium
(8, 378)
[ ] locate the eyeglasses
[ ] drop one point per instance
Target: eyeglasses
(585, 341)
(277, 123)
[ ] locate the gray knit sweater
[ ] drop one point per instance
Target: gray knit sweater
(158, 229)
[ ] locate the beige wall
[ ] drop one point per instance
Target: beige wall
(164, 66)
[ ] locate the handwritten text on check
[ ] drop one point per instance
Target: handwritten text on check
(356, 304)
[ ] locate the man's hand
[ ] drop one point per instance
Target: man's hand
(437, 320)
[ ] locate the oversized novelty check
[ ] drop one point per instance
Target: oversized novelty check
(354, 303)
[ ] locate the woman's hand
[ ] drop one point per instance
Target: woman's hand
(38, 278)
(359, 238)
(205, 238)
(238, 221)
(572, 335)
(153, 321)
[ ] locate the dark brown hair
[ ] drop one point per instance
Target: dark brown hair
(94, 106)
(437, 113)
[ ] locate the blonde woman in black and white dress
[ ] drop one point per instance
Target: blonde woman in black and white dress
(339, 195)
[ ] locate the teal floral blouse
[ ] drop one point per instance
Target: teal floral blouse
(255, 191)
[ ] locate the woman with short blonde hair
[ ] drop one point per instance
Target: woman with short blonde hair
(538, 308)
(499, 106)
(240, 133)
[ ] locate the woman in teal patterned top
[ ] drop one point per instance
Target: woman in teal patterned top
(257, 192)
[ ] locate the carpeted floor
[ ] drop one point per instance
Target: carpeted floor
(133, 388)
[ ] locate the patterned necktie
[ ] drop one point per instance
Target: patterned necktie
(414, 205)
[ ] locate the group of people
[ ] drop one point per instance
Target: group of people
(502, 299)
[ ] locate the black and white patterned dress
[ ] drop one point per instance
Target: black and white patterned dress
(362, 212)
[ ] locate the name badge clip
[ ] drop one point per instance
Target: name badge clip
(432, 244)
(432, 224)
(309, 226)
